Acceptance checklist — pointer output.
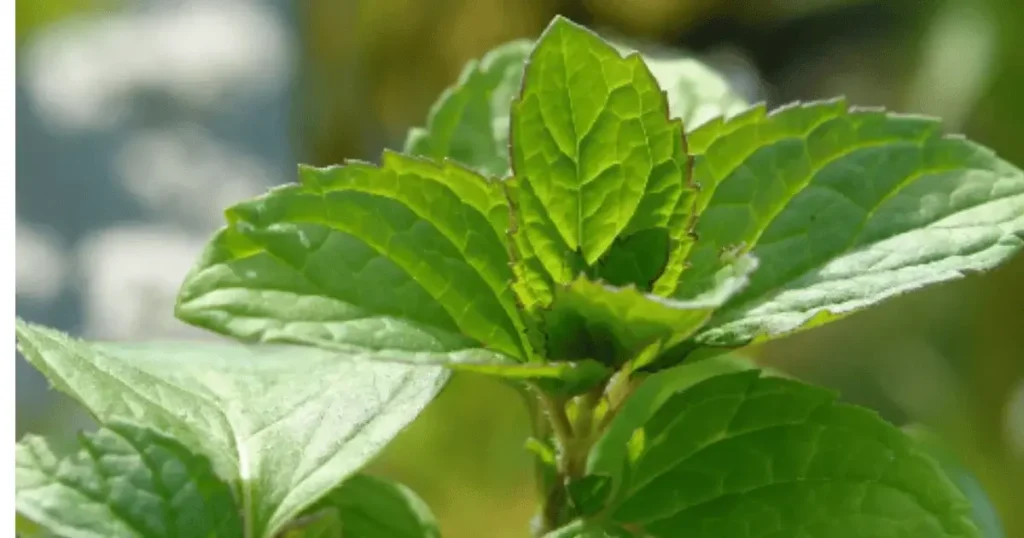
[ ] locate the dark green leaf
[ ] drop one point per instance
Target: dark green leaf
(588, 320)
(739, 453)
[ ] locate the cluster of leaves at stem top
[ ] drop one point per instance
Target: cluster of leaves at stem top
(583, 229)
(622, 214)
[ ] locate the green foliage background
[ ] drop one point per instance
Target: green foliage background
(950, 357)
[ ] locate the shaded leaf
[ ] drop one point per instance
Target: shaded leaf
(614, 325)
(127, 481)
(284, 425)
(470, 121)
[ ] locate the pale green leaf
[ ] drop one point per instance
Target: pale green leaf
(126, 482)
(470, 121)
(696, 93)
(403, 258)
(284, 425)
(843, 208)
(739, 455)
(594, 154)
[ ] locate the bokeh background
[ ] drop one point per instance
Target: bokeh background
(138, 121)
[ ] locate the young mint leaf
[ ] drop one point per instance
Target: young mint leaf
(594, 154)
(737, 452)
(370, 507)
(613, 325)
(127, 481)
(843, 208)
(284, 425)
(469, 122)
(402, 258)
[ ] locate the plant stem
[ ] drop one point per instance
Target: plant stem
(555, 410)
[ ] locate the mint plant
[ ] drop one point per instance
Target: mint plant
(597, 228)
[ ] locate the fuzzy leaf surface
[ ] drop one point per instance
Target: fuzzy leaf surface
(283, 424)
(125, 482)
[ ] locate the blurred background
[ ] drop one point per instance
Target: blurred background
(138, 121)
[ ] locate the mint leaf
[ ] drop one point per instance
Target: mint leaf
(470, 121)
(404, 258)
(127, 482)
(843, 208)
(589, 320)
(738, 452)
(594, 154)
(370, 507)
(284, 425)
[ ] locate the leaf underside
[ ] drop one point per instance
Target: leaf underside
(284, 425)
(126, 482)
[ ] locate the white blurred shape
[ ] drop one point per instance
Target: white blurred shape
(189, 174)
(82, 73)
(954, 70)
(130, 278)
(41, 266)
